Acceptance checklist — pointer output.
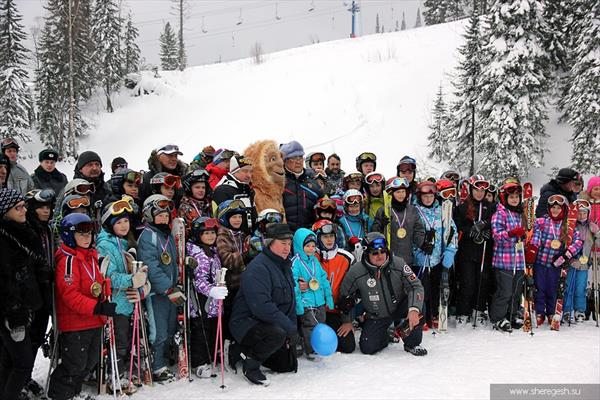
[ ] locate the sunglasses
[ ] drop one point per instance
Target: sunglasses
(448, 193)
(374, 178)
(78, 202)
(367, 157)
(557, 199)
(134, 177)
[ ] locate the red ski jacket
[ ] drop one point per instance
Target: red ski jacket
(76, 272)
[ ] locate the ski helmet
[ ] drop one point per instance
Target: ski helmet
(374, 241)
(324, 227)
(74, 201)
(121, 176)
(313, 157)
(115, 211)
(72, 223)
(201, 225)
(366, 157)
(478, 182)
(446, 188)
(406, 163)
(509, 186)
(9, 143)
(325, 204)
(195, 176)
(228, 208)
(154, 205)
(396, 183)
(353, 196)
(268, 216)
(353, 177)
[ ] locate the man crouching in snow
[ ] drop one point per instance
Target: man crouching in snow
(263, 320)
(390, 291)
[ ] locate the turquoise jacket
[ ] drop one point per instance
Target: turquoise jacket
(108, 246)
(306, 267)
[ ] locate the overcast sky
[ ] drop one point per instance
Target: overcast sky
(227, 29)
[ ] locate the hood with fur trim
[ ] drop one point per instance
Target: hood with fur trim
(155, 166)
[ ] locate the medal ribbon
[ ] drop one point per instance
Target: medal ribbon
(400, 224)
(85, 267)
(552, 229)
(311, 272)
(350, 228)
(429, 225)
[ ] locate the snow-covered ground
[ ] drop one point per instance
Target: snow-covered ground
(461, 365)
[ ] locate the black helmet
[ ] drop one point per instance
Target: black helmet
(195, 176)
(200, 225)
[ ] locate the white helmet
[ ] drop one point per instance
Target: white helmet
(156, 204)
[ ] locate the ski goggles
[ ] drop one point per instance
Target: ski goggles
(354, 177)
(199, 173)
(10, 142)
(272, 217)
(206, 224)
(78, 202)
(426, 187)
(237, 205)
(451, 175)
(133, 177)
(492, 188)
(377, 246)
(374, 177)
(481, 185)
(557, 199)
(164, 205)
(327, 229)
(169, 180)
(41, 196)
(117, 208)
(85, 227)
(367, 156)
(353, 200)
(326, 204)
(583, 204)
(84, 188)
(317, 157)
(407, 164)
(512, 188)
(169, 149)
(397, 183)
(448, 193)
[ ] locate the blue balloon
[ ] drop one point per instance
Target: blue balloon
(324, 340)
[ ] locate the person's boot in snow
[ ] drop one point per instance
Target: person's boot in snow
(204, 371)
(252, 372)
(415, 351)
(503, 326)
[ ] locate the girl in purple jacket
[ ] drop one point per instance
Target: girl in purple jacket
(204, 306)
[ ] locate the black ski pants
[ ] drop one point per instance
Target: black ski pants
(79, 353)
(262, 340)
(430, 279)
(474, 288)
(346, 344)
(16, 363)
(202, 341)
(509, 288)
(122, 341)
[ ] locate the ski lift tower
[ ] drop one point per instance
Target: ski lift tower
(354, 8)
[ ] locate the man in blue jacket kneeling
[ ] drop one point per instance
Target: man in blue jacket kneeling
(263, 320)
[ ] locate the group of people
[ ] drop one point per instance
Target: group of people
(355, 251)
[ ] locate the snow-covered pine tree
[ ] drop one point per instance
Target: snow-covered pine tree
(418, 21)
(131, 51)
(181, 8)
(382, 28)
(434, 12)
(106, 32)
(439, 141)
(581, 102)
(514, 83)
(377, 26)
(62, 80)
(403, 23)
(466, 90)
(15, 100)
(397, 28)
(168, 49)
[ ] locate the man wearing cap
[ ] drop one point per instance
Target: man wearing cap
(301, 190)
(46, 176)
(390, 292)
(89, 167)
(564, 184)
(164, 159)
(263, 321)
(236, 185)
(18, 178)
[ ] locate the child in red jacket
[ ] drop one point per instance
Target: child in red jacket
(81, 306)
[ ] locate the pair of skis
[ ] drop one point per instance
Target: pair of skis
(447, 207)
(528, 283)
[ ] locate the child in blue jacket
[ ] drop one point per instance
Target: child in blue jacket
(312, 288)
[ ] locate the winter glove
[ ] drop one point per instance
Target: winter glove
(218, 292)
(477, 229)
(191, 262)
(385, 220)
(427, 248)
(517, 232)
(139, 278)
(561, 258)
(448, 259)
(353, 241)
(133, 295)
(531, 254)
(17, 333)
(105, 308)
(176, 296)
(429, 235)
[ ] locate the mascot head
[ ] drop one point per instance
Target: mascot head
(267, 162)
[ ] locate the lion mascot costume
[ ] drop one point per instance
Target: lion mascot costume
(268, 175)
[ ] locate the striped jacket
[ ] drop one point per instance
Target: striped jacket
(506, 256)
(544, 231)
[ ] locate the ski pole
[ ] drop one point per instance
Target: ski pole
(133, 343)
(219, 339)
(479, 288)
(595, 283)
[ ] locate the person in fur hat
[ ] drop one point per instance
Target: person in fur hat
(164, 159)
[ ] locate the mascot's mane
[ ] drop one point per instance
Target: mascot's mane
(268, 192)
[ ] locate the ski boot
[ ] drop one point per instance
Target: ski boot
(540, 320)
(503, 326)
(415, 351)
(164, 374)
(579, 316)
(462, 321)
(482, 317)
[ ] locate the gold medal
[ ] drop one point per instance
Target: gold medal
(313, 284)
(96, 289)
(401, 233)
(165, 258)
(555, 244)
(583, 260)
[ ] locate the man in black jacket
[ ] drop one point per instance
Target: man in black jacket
(89, 167)
(46, 176)
(263, 320)
(564, 183)
(301, 190)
